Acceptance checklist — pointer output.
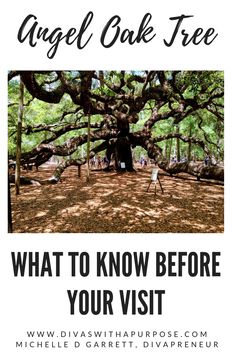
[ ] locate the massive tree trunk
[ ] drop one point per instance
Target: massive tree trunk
(123, 154)
(120, 147)
(119, 151)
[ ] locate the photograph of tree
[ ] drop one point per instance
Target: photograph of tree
(116, 151)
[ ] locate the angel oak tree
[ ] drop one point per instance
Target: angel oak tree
(127, 110)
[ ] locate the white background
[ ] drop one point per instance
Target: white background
(196, 304)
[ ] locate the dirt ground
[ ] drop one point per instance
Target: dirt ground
(117, 203)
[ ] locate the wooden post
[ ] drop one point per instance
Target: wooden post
(88, 148)
(190, 143)
(79, 170)
(18, 142)
(178, 144)
(9, 208)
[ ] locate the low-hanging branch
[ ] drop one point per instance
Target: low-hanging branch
(199, 170)
(60, 168)
(68, 148)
